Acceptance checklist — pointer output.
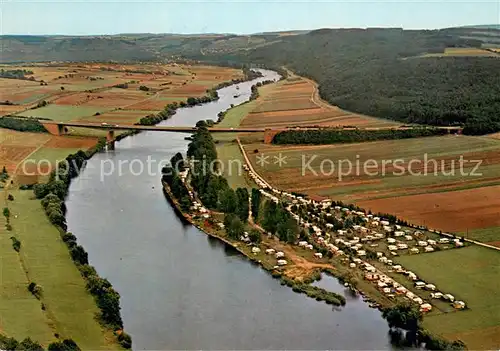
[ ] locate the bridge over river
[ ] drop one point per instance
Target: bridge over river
(60, 128)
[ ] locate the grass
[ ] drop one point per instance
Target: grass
(235, 115)
(232, 160)
(461, 52)
(471, 274)
(20, 312)
(70, 309)
(484, 235)
(64, 113)
(290, 175)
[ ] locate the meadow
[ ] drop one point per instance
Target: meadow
(98, 92)
(295, 102)
(445, 201)
(73, 92)
(472, 275)
(462, 52)
(44, 259)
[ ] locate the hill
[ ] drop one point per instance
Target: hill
(394, 73)
(440, 77)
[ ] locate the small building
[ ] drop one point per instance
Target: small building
(459, 305)
(391, 240)
(318, 255)
(429, 249)
(408, 237)
(352, 265)
(430, 287)
(270, 251)
(303, 243)
(419, 285)
(425, 307)
(392, 247)
(280, 254)
(282, 262)
(422, 243)
(414, 250)
(449, 297)
(444, 241)
(255, 250)
(401, 290)
(437, 295)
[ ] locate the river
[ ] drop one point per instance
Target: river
(181, 289)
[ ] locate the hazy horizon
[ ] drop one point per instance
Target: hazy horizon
(94, 18)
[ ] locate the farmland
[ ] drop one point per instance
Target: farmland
(73, 93)
(472, 273)
(294, 102)
(96, 92)
(433, 200)
(463, 52)
(45, 260)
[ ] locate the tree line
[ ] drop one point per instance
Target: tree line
(52, 195)
(405, 320)
(22, 124)
(16, 74)
(339, 135)
(11, 344)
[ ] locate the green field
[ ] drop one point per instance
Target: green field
(64, 113)
(484, 235)
(230, 155)
(471, 274)
(235, 115)
(47, 262)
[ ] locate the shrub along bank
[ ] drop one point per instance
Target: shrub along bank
(404, 321)
(211, 95)
(22, 124)
(11, 344)
(336, 135)
(52, 195)
(215, 194)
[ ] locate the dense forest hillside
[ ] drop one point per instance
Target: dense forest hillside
(395, 74)
(406, 75)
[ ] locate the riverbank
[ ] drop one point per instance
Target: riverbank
(46, 257)
(193, 283)
(298, 281)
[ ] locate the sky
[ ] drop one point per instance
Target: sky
(91, 17)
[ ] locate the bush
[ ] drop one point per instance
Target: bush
(35, 289)
(16, 244)
(65, 345)
(125, 340)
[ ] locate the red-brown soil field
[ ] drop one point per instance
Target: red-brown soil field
(453, 211)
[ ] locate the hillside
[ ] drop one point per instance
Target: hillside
(408, 76)
(440, 77)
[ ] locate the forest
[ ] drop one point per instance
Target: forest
(338, 136)
(385, 73)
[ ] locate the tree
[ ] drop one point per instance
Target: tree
(255, 236)
(234, 226)
(242, 209)
(79, 255)
(228, 201)
(6, 212)
(65, 345)
(29, 345)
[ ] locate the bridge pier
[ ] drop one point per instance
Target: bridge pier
(110, 139)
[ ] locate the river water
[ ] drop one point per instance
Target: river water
(181, 289)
